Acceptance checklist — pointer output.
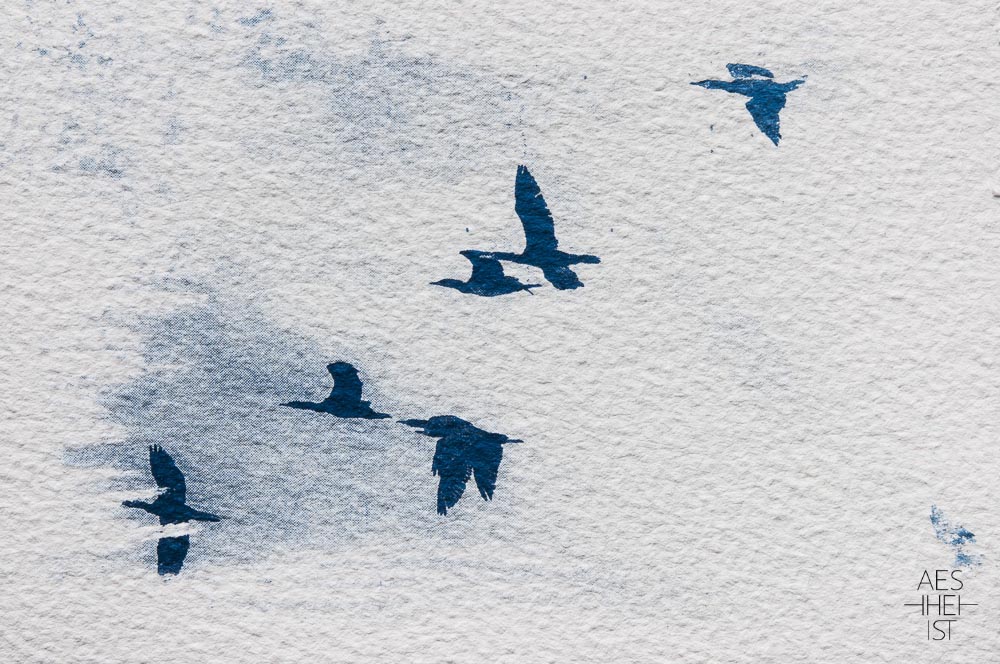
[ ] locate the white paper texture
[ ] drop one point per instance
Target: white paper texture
(734, 433)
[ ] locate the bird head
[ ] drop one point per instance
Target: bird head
(748, 71)
(438, 426)
(448, 283)
(341, 368)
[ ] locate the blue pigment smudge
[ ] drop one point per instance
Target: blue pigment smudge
(256, 19)
(345, 397)
(385, 106)
(109, 163)
(213, 380)
(767, 96)
(955, 536)
(463, 451)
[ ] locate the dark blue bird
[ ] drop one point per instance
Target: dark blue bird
(171, 507)
(345, 397)
(488, 279)
(541, 248)
(463, 451)
(767, 96)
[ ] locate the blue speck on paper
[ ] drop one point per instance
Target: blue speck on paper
(256, 19)
(956, 536)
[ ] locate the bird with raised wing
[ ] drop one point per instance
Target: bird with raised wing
(170, 507)
(463, 451)
(541, 248)
(345, 397)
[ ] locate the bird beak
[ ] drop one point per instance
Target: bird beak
(414, 423)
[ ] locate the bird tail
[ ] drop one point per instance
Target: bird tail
(205, 516)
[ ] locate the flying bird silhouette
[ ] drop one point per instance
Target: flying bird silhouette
(345, 397)
(767, 96)
(171, 507)
(488, 279)
(462, 451)
(541, 248)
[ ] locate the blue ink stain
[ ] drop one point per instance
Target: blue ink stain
(256, 19)
(171, 507)
(382, 101)
(108, 164)
(215, 376)
(540, 249)
(345, 397)
(488, 278)
(955, 536)
(463, 451)
(767, 97)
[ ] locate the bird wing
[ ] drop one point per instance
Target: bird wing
(453, 470)
(539, 228)
(166, 473)
(170, 554)
(764, 110)
(728, 86)
(346, 386)
(561, 277)
(485, 461)
(745, 71)
(485, 268)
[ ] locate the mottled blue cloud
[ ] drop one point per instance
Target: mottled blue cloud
(211, 391)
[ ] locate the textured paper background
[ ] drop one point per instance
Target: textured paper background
(734, 433)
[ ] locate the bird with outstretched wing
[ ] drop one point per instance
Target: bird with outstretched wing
(166, 474)
(536, 219)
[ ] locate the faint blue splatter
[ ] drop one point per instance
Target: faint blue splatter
(956, 536)
(259, 17)
(388, 108)
(211, 393)
(172, 132)
(109, 163)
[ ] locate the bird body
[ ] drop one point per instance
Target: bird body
(345, 397)
(767, 97)
(171, 507)
(487, 279)
(463, 452)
